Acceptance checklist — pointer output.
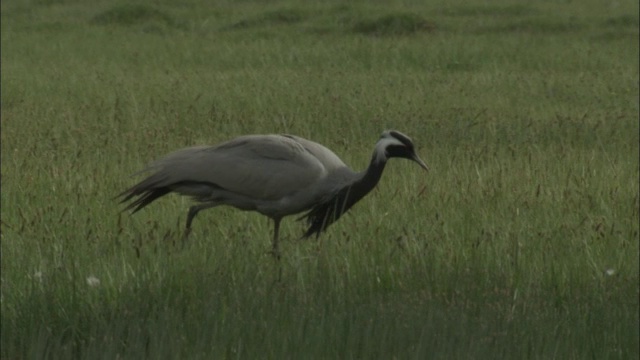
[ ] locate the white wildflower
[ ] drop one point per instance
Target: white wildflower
(610, 272)
(93, 281)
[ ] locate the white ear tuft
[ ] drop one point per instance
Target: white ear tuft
(386, 140)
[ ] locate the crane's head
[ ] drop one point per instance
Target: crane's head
(393, 143)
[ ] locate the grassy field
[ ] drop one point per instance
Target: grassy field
(522, 242)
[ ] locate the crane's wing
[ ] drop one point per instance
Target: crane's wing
(330, 161)
(262, 167)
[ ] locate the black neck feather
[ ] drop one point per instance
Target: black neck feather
(324, 214)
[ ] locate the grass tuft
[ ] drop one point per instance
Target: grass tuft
(623, 21)
(537, 26)
(394, 24)
(487, 10)
(271, 18)
(132, 14)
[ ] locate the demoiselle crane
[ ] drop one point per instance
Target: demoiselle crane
(275, 175)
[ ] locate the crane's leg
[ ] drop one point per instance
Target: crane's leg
(276, 230)
(193, 211)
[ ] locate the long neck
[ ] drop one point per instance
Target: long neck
(367, 180)
(324, 214)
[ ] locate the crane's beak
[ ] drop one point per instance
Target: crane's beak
(417, 159)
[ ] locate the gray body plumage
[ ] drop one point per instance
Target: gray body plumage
(275, 175)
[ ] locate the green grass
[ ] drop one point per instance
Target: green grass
(522, 242)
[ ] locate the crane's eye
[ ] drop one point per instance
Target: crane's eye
(397, 151)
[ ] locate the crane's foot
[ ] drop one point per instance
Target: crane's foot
(275, 253)
(185, 236)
